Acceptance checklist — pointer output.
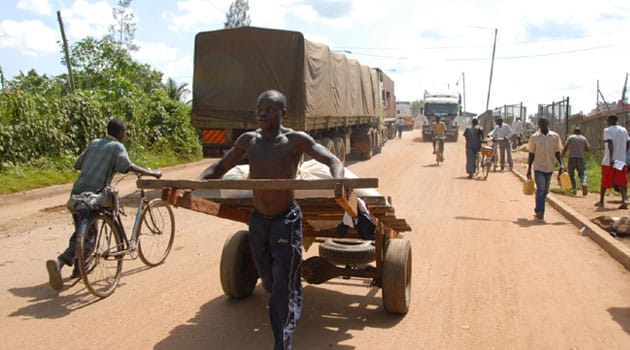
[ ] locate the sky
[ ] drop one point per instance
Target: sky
(545, 50)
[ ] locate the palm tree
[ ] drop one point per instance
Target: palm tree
(174, 91)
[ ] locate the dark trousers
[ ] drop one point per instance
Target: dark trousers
(505, 147)
(471, 159)
(276, 243)
(579, 165)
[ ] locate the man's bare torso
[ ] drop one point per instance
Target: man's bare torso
(273, 159)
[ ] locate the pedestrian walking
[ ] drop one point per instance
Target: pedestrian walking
(275, 225)
(400, 125)
(473, 136)
(98, 163)
(576, 145)
(544, 149)
(517, 132)
(614, 168)
(503, 133)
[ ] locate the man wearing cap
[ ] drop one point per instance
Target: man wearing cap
(577, 145)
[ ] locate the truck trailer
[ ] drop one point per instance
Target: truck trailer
(341, 103)
(445, 105)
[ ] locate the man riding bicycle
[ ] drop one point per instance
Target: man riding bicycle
(438, 130)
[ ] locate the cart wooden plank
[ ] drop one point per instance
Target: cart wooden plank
(259, 184)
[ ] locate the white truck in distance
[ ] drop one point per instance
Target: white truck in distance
(445, 105)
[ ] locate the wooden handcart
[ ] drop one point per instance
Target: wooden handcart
(390, 266)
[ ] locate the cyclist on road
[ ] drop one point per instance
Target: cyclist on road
(474, 137)
(438, 130)
(503, 133)
(98, 163)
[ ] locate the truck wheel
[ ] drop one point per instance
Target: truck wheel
(340, 149)
(396, 276)
(378, 142)
(353, 252)
(365, 155)
(238, 271)
(328, 144)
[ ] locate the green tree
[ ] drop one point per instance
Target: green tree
(174, 91)
(124, 28)
(237, 15)
(417, 106)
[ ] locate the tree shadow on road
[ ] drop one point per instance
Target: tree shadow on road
(621, 315)
(522, 222)
(327, 318)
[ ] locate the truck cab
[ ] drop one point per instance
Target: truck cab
(445, 105)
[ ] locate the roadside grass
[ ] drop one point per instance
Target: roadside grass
(47, 171)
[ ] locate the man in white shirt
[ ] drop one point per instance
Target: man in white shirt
(517, 132)
(503, 134)
(544, 149)
(614, 168)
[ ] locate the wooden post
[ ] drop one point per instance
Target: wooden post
(66, 52)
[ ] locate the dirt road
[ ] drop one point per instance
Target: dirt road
(485, 276)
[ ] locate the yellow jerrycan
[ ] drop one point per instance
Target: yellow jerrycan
(528, 187)
(565, 181)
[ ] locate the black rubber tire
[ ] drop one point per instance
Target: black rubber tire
(378, 142)
(340, 149)
(238, 270)
(328, 144)
(156, 232)
(366, 155)
(396, 276)
(346, 252)
(100, 261)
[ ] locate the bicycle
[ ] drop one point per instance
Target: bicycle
(439, 153)
(102, 242)
(488, 158)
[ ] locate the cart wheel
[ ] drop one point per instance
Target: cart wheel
(396, 276)
(352, 252)
(238, 271)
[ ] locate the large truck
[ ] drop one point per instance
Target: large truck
(341, 103)
(447, 106)
(403, 109)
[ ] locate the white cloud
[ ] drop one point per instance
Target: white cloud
(155, 52)
(87, 19)
(41, 7)
(195, 15)
(31, 38)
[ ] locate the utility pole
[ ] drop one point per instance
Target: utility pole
(464, 88)
(66, 52)
(622, 103)
(494, 47)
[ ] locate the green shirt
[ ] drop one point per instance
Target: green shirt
(98, 163)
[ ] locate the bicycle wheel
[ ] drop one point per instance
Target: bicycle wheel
(156, 232)
(99, 254)
(485, 166)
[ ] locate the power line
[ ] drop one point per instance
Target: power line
(536, 55)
